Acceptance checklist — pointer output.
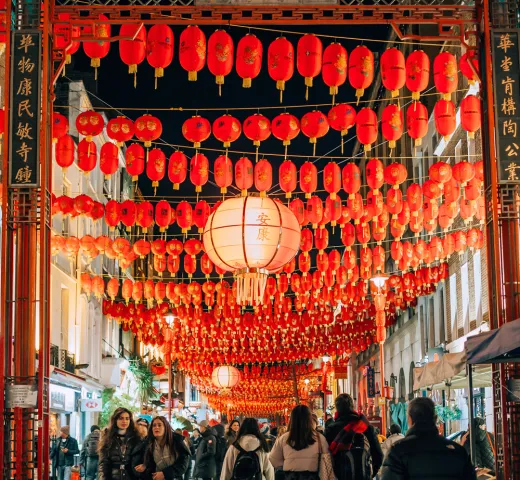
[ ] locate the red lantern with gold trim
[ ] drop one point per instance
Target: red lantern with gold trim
(351, 177)
(60, 126)
(308, 179)
(470, 116)
(156, 166)
(135, 160)
(65, 152)
(285, 127)
(361, 69)
(227, 129)
(333, 205)
(177, 168)
(220, 56)
(112, 214)
(417, 73)
(244, 175)
(263, 174)
(159, 49)
(87, 155)
(132, 52)
(314, 125)
(223, 173)
(463, 172)
(145, 215)
(192, 51)
(445, 118)
(393, 70)
(440, 172)
(100, 48)
(287, 177)
(201, 214)
(184, 216)
(414, 198)
(199, 171)
(417, 122)
(249, 59)
(128, 214)
(366, 127)
(332, 179)
(120, 129)
(395, 174)
(63, 37)
(342, 117)
(309, 54)
(280, 62)
(445, 74)
(469, 66)
(196, 130)
(163, 215)
(392, 124)
(109, 159)
(89, 124)
(314, 211)
(257, 128)
(147, 129)
(334, 70)
(375, 174)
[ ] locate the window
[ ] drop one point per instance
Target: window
(464, 285)
(453, 304)
(64, 318)
(431, 325)
(477, 276)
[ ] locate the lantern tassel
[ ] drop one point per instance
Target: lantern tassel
(256, 156)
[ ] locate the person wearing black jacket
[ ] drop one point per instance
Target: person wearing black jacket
(167, 457)
(424, 453)
(62, 453)
(205, 462)
(122, 448)
(484, 445)
(347, 417)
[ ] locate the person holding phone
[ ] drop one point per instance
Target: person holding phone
(62, 454)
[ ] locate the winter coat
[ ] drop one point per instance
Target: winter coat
(341, 422)
(230, 437)
(95, 436)
(196, 442)
(249, 443)
(387, 444)
(111, 458)
(484, 446)
(177, 469)
(424, 454)
(61, 459)
(205, 463)
(290, 460)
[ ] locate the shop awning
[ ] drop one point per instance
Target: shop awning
(434, 373)
(496, 346)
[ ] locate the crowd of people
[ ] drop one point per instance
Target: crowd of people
(348, 448)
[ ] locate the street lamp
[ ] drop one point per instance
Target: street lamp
(326, 358)
(379, 280)
(306, 381)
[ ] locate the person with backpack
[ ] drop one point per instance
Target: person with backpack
(302, 452)
(205, 461)
(354, 445)
(89, 456)
(424, 453)
(222, 446)
(248, 457)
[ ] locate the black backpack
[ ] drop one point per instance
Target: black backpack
(220, 449)
(247, 465)
(92, 445)
(355, 462)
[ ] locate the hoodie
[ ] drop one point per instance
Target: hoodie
(249, 443)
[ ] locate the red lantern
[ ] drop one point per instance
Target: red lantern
(332, 179)
(65, 152)
(220, 56)
(249, 59)
(375, 174)
(417, 122)
(244, 177)
(432, 189)
(298, 208)
(145, 215)
(366, 127)
(315, 210)
(196, 130)
(135, 160)
(112, 214)
(333, 205)
(463, 172)
(308, 179)
(395, 174)
(128, 212)
(445, 118)
(280, 62)
(393, 70)
(227, 129)
(87, 155)
(132, 51)
(192, 51)
(355, 207)
(201, 214)
(177, 169)
(89, 124)
(445, 74)
(392, 124)
(414, 198)
(199, 171)
(120, 129)
(184, 216)
(64, 35)
(440, 172)
(285, 127)
(351, 177)
(223, 172)
(334, 70)
(314, 125)
(361, 69)
(417, 73)
(263, 173)
(156, 166)
(159, 49)
(100, 48)
(287, 177)
(60, 126)
(469, 66)
(109, 159)
(163, 215)
(470, 116)
(148, 129)
(342, 117)
(309, 59)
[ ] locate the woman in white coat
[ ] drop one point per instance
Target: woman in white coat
(249, 446)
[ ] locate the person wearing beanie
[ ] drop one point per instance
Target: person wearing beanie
(62, 453)
(89, 457)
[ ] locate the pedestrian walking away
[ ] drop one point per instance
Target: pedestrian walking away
(89, 456)
(205, 461)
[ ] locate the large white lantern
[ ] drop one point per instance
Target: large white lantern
(251, 237)
(225, 377)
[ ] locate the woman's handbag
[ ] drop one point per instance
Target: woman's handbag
(325, 468)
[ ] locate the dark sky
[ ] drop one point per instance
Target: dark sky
(115, 86)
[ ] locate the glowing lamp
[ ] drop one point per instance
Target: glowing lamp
(379, 281)
(225, 377)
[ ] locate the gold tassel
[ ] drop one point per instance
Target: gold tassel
(192, 76)
(246, 83)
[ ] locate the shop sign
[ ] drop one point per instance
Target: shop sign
(22, 396)
(506, 78)
(24, 118)
(91, 405)
(376, 422)
(371, 383)
(340, 373)
(62, 398)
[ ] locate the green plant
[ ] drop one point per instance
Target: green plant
(111, 402)
(144, 380)
(445, 414)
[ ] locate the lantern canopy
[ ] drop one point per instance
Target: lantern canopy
(251, 237)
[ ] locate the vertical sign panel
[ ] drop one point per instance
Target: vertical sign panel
(506, 77)
(24, 119)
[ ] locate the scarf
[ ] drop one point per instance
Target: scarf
(343, 440)
(162, 456)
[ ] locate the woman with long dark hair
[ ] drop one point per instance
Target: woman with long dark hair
(232, 432)
(249, 454)
(301, 451)
(121, 448)
(167, 457)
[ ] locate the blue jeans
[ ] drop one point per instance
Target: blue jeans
(64, 473)
(91, 468)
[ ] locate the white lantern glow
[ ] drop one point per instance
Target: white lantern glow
(225, 377)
